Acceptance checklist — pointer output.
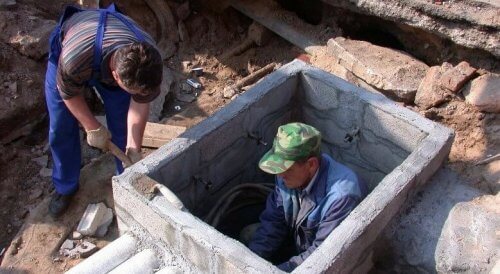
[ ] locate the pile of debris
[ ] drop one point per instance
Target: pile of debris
(94, 223)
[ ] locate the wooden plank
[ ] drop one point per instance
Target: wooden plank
(156, 135)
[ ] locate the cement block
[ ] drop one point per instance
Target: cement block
(92, 218)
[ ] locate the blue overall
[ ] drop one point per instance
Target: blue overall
(64, 136)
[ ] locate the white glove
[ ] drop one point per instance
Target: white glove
(99, 138)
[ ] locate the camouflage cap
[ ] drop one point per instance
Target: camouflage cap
(293, 142)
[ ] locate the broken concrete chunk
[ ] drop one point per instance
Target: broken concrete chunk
(67, 245)
(392, 72)
(76, 235)
(106, 221)
(430, 93)
(484, 93)
(455, 78)
(85, 249)
(91, 219)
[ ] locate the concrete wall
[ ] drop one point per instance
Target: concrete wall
(391, 147)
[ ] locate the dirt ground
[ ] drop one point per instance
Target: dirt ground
(22, 186)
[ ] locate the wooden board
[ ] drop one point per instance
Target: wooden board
(156, 135)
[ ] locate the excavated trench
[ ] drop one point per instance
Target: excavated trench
(423, 45)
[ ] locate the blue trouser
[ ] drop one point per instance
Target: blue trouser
(64, 136)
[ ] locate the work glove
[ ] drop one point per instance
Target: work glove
(99, 138)
(134, 154)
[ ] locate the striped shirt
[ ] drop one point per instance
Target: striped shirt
(77, 55)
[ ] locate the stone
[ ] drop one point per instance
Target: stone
(229, 92)
(409, 241)
(455, 78)
(430, 93)
(67, 245)
(45, 172)
(76, 235)
(85, 249)
(106, 221)
(484, 93)
(394, 73)
(91, 219)
(41, 161)
(469, 239)
(33, 43)
(259, 34)
(183, 11)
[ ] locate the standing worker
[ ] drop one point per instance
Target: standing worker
(107, 51)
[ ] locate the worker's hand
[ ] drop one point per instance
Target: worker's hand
(99, 138)
(134, 154)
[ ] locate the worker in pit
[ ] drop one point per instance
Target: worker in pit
(107, 51)
(313, 194)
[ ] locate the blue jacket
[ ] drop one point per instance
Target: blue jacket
(335, 192)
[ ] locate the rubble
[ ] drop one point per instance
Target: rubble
(79, 249)
(92, 219)
(35, 194)
(455, 78)
(76, 235)
(430, 93)
(484, 93)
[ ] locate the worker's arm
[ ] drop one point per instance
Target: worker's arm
(273, 228)
(337, 212)
(136, 123)
(79, 108)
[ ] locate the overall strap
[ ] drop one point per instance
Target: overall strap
(96, 64)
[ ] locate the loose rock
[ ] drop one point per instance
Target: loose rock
(469, 240)
(85, 249)
(455, 78)
(430, 93)
(76, 235)
(484, 93)
(45, 172)
(35, 194)
(229, 92)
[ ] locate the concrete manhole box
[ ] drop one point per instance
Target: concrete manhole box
(392, 148)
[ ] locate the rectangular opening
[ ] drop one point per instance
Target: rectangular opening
(393, 149)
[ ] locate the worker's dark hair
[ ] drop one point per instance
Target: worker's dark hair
(139, 66)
